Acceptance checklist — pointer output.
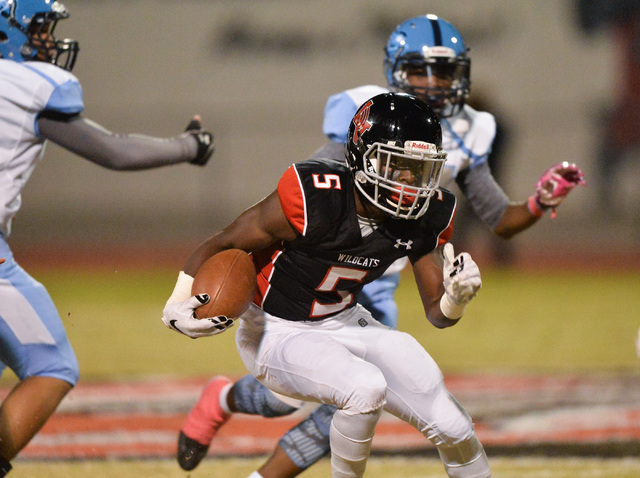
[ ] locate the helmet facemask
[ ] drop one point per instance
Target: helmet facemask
(30, 35)
(449, 76)
(401, 180)
(44, 44)
(426, 56)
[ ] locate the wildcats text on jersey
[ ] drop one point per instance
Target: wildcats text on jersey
(359, 261)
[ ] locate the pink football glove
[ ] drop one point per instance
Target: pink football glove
(554, 185)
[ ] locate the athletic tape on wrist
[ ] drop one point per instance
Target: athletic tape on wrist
(182, 290)
(534, 207)
(450, 309)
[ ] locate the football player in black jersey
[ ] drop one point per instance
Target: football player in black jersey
(327, 230)
(425, 56)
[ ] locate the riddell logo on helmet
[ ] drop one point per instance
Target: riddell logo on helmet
(361, 121)
(420, 146)
(442, 51)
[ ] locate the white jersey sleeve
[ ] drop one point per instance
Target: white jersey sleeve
(341, 107)
(467, 137)
(26, 90)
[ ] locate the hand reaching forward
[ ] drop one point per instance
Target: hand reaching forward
(554, 185)
(206, 145)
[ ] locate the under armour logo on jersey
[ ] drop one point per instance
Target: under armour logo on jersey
(362, 322)
(406, 245)
(361, 123)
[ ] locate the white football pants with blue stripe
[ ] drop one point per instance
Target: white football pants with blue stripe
(33, 341)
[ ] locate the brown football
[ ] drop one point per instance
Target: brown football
(229, 278)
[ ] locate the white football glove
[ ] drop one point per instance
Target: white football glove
(181, 317)
(462, 282)
(179, 312)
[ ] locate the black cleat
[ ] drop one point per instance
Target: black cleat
(190, 452)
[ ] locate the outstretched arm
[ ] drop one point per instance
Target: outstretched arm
(551, 189)
(505, 218)
(125, 151)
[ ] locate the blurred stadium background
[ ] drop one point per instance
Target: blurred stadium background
(260, 72)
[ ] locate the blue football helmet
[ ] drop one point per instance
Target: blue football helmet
(27, 33)
(429, 48)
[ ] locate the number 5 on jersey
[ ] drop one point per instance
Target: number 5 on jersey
(328, 181)
(329, 283)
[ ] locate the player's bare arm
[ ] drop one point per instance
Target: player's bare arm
(256, 228)
(551, 189)
(446, 283)
(516, 218)
(428, 274)
(508, 218)
(259, 226)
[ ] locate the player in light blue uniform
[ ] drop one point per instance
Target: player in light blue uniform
(427, 57)
(41, 100)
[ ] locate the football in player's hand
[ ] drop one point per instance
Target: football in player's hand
(229, 278)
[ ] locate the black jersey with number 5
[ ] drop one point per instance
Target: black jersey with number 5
(320, 273)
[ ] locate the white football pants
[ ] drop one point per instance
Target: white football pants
(357, 364)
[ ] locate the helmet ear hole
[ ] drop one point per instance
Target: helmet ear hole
(3, 37)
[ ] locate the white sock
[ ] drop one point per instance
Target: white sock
(223, 403)
(255, 474)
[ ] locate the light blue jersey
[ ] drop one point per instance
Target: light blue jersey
(33, 341)
(26, 90)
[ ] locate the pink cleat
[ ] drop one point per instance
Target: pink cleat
(202, 424)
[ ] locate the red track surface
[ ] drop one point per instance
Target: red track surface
(130, 420)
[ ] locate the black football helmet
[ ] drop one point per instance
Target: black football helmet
(395, 153)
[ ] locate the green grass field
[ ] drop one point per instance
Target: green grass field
(522, 321)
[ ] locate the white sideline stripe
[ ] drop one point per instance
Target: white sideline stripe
(105, 438)
(133, 438)
(21, 318)
(578, 418)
